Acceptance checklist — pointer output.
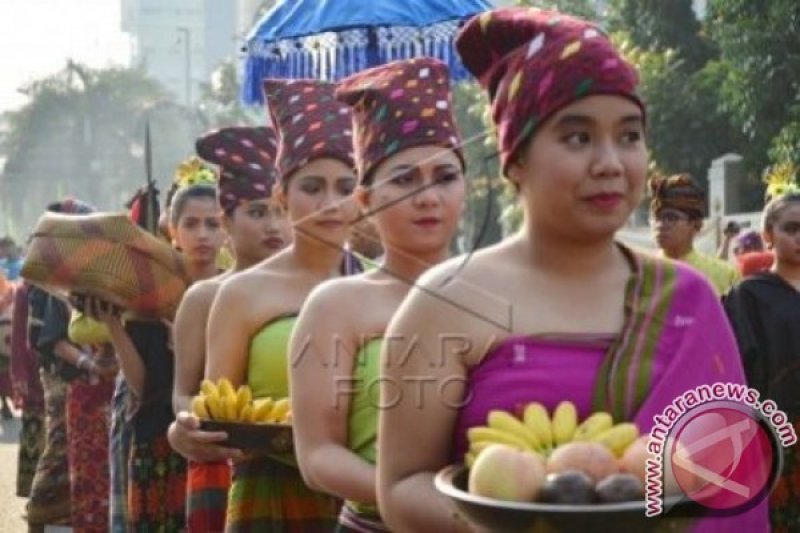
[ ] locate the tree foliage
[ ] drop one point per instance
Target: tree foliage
(759, 40)
(81, 134)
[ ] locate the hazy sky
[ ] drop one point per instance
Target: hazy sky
(38, 36)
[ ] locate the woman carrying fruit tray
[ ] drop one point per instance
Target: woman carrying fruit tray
(254, 312)
(559, 311)
(257, 228)
(415, 194)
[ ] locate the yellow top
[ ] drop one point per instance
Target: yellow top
(721, 274)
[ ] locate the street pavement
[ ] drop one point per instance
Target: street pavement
(11, 520)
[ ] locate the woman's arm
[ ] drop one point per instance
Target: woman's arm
(189, 331)
(130, 361)
(229, 331)
(422, 387)
(322, 352)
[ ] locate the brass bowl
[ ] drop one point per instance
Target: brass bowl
(503, 516)
(266, 438)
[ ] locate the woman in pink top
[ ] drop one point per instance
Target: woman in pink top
(559, 311)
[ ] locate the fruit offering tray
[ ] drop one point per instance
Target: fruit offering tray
(500, 516)
(266, 438)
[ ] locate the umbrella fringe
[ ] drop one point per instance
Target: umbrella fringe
(336, 55)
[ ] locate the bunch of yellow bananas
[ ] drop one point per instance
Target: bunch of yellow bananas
(221, 402)
(538, 432)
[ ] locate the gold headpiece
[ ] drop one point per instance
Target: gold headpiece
(193, 172)
(781, 180)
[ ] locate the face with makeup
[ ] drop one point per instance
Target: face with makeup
(782, 235)
(257, 229)
(583, 172)
(319, 200)
(197, 228)
(417, 197)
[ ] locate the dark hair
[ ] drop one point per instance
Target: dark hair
(776, 207)
(185, 194)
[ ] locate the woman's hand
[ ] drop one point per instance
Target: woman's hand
(189, 440)
(97, 309)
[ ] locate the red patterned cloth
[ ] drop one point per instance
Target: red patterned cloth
(310, 123)
(399, 105)
(246, 161)
(207, 496)
(24, 364)
(88, 418)
(534, 62)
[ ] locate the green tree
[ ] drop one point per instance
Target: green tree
(660, 25)
(220, 101)
(81, 134)
(758, 42)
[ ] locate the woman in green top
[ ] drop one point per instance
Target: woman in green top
(252, 315)
(415, 195)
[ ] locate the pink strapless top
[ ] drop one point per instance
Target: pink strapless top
(523, 369)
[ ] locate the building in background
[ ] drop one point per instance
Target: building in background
(181, 42)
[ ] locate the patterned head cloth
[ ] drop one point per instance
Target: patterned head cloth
(70, 206)
(535, 62)
(677, 192)
(310, 123)
(399, 105)
(246, 160)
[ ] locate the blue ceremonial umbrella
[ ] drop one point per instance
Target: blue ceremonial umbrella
(331, 39)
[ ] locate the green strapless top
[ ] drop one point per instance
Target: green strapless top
(362, 430)
(268, 364)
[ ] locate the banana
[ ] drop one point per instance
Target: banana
(199, 407)
(565, 421)
(486, 434)
(214, 405)
(262, 409)
(225, 388)
(243, 398)
(535, 417)
(593, 426)
(618, 438)
(504, 421)
(207, 387)
(229, 403)
(280, 410)
(247, 414)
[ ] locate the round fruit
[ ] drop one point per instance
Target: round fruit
(619, 488)
(569, 487)
(505, 473)
(634, 460)
(591, 458)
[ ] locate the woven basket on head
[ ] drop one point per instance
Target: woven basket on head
(109, 256)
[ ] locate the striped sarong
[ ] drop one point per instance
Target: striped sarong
(119, 453)
(355, 518)
(268, 496)
(207, 496)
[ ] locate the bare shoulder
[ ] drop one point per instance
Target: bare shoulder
(203, 291)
